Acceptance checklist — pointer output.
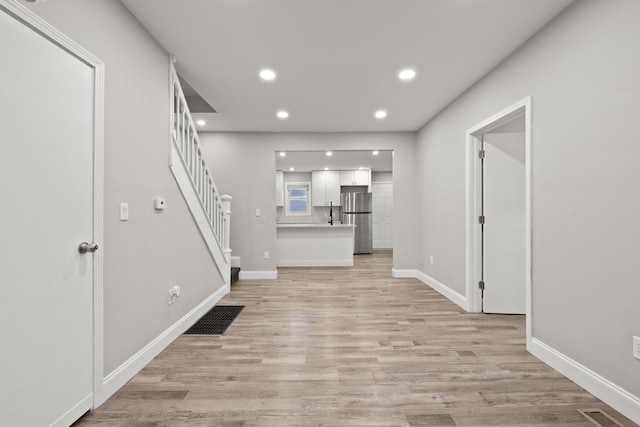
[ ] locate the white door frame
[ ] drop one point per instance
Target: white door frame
(30, 19)
(473, 195)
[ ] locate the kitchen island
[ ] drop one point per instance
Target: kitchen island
(314, 245)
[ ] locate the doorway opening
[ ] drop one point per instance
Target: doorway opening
(337, 177)
(498, 230)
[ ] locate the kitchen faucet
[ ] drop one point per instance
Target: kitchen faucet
(331, 213)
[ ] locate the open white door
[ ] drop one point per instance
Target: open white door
(46, 186)
(504, 228)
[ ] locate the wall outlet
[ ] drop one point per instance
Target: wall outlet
(174, 293)
(159, 203)
(266, 254)
(636, 347)
(258, 213)
(431, 259)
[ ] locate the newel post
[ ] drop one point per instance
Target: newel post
(226, 208)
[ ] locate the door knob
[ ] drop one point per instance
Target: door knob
(85, 247)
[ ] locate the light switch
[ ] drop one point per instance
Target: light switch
(258, 212)
(124, 211)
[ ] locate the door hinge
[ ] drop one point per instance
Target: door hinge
(481, 154)
(481, 284)
(481, 219)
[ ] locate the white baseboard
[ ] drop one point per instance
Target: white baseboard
(404, 274)
(613, 395)
(119, 377)
(443, 289)
(73, 414)
(315, 263)
(235, 261)
(437, 286)
(258, 275)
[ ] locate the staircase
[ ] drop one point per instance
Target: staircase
(235, 274)
(210, 210)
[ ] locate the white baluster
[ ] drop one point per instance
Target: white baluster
(196, 170)
(217, 226)
(226, 206)
(183, 127)
(210, 211)
(193, 158)
(209, 192)
(202, 175)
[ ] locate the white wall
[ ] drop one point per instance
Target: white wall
(381, 176)
(582, 71)
(244, 166)
(147, 255)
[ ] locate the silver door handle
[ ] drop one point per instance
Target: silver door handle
(85, 247)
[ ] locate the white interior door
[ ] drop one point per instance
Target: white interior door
(46, 185)
(504, 228)
(382, 215)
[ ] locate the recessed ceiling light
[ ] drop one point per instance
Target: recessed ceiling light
(282, 114)
(329, 153)
(380, 114)
(360, 168)
(376, 152)
(201, 122)
(407, 74)
(282, 154)
(326, 168)
(292, 169)
(267, 74)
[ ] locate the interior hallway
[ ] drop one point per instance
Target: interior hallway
(349, 346)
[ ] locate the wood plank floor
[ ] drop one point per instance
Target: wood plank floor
(349, 346)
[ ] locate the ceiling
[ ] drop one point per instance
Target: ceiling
(337, 61)
(306, 161)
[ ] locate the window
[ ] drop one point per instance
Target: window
(297, 202)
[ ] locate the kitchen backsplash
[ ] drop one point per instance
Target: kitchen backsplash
(317, 214)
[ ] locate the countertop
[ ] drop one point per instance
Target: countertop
(313, 225)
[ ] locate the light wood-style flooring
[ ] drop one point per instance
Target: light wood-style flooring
(349, 346)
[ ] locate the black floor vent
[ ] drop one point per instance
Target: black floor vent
(599, 418)
(216, 321)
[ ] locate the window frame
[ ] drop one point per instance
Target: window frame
(288, 199)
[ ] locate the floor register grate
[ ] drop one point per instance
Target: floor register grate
(216, 321)
(599, 418)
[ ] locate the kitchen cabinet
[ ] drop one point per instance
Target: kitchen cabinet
(333, 187)
(354, 177)
(325, 188)
(279, 188)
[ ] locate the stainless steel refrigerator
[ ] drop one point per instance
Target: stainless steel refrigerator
(355, 209)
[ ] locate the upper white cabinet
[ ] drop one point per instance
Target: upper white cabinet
(333, 187)
(357, 177)
(361, 177)
(325, 188)
(279, 188)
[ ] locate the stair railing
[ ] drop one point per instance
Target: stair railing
(187, 145)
